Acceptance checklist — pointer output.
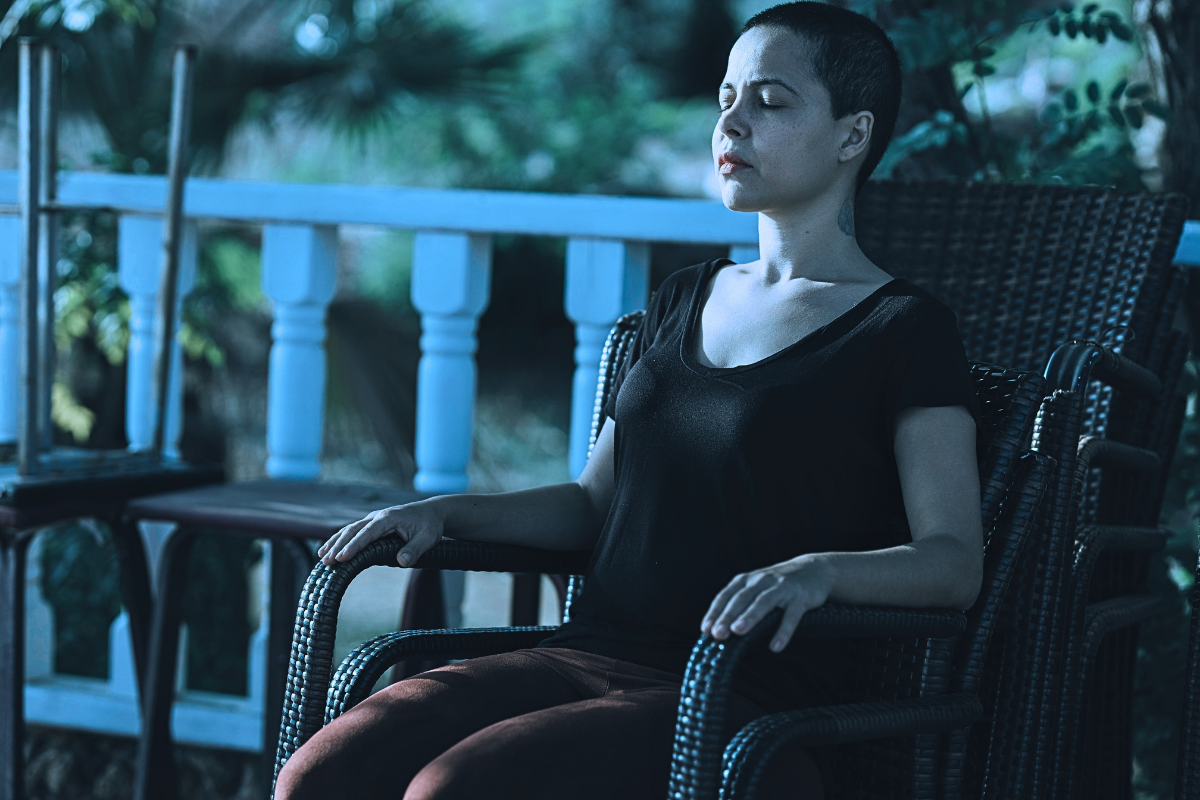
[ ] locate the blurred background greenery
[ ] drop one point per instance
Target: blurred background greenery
(592, 96)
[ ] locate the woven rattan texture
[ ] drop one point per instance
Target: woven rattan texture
(1026, 269)
(964, 758)
(748, 754)
(1029, 654)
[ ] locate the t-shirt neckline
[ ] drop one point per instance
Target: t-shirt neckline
(688, 355)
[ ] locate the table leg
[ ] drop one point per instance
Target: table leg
(12, 665)
(155, 777)
(290, 565)
(135, 591)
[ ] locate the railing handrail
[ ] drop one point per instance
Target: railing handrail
(647, 219)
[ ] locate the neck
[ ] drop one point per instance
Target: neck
(814, 241)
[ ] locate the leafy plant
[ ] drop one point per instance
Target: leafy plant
(1081, 136)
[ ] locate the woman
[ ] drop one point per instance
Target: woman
(790, 431)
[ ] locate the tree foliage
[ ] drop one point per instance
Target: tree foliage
(345, 62)
(950, 49)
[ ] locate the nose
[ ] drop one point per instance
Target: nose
(732, 122)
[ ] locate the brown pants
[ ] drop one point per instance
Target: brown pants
(539, 723)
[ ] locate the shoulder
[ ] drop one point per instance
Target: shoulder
(676, 292)
(907, 306)
(682, 282)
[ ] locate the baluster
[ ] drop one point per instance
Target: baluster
(39, 618)
(10, 324)
(299, 263)
(605, 279)
(451, 277)
(256, 654)
(122, 675)
(743, 253)
(139, 262)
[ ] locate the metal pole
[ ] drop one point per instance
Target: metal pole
(181, 111)
(50, 82)
(28, 158)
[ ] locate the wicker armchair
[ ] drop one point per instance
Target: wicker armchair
(932, 686)
(1028, 270)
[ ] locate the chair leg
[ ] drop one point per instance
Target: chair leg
(135, 591)
(424, 609)
(12, 665)
(561, 585)
(155, 776)
(290, 564)
(526, 598)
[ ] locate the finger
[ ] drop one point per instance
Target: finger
(736, 605)
(792, 613)
(762, 605)
(417, 546)
(380, 525)
(339, 539)
(718, 603)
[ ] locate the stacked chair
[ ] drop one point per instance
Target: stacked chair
(1086, 274)
(940, 704)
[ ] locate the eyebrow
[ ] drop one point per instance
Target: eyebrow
(763, 82)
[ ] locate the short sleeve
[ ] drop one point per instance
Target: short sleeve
(642, 339)
(662, 302)
(930, 369)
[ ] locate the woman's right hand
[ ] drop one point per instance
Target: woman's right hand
(417, 524)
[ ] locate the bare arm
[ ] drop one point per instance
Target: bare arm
(566, 516)
(942, 567)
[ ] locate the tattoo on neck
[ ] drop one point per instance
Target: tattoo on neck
(846, 217)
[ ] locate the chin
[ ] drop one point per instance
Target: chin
(737, 198)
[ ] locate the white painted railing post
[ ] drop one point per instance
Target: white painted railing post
(299, 270)
(10, 321)
(139, 262)
(451, 279)
(39, 618)
(122, 675)
(605, 279)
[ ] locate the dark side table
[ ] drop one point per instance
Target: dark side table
(28, 503)
(289, 513)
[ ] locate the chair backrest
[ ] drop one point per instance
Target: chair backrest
(1029, 267)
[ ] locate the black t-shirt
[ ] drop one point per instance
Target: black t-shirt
(723, 471)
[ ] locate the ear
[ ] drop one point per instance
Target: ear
(858, 128)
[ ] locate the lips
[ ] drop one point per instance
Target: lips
(729, 163)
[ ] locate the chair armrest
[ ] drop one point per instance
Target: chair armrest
(839, 621)
(483, 557)
(708, 680)
(311, 664)
(366, 663)
(1092, 540)
(1073, 364)
(1101, 619)
(1096, 451)
(748, 754)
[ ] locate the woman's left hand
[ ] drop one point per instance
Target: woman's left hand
(796, 586)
